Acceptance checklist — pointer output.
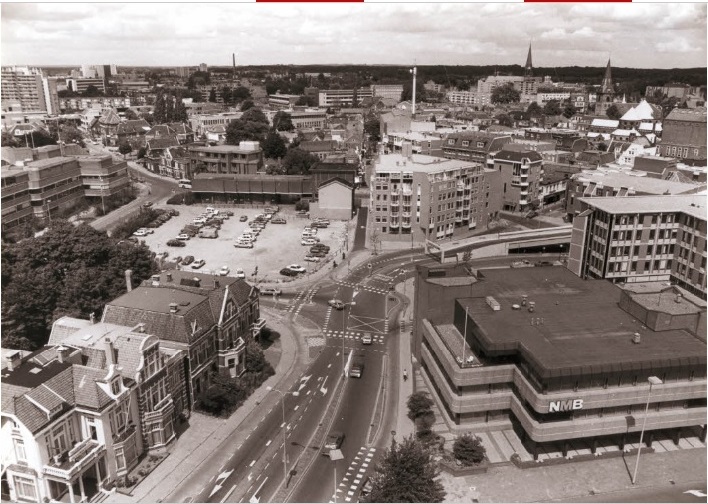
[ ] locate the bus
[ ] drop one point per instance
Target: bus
(185, 183)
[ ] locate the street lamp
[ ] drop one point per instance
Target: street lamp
(285, 457)
(653, 380)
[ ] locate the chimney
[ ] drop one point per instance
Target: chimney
(92, 317)
(14, 360)
(129, 280)
(110, 352)
(173, 307)
(62, 354)
(169, 277)
(141, 327)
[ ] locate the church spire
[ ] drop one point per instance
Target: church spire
(607, 85)
(529, 66)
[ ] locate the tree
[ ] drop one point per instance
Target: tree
(212, 95)
(255, 115)
(130, 115)
(67, 271)
(253, 125)
(419, 404)
(372, 127)
(274, 146)
(568, 111)
(505, 120)
(307, 101)
(141, 152)
(180, 112)
(613, 112)
(469, 450)
(246, 105)
(407, 473)
(159, 112)
(505, 94)
(534, 110)
(169, 108)
(552, 108)
(283, 121)
(298, 162)
(602, 146)
(92, 91)
(125, 149)
(240, 94)
(420, 93)
(199, 79)
(226, 95)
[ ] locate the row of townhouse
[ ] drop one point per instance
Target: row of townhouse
(79, 413)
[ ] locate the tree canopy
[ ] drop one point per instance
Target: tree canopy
(252, 125)
(298, 162)
(552, 107)
(407, 473)
(469, 450)
(505, 120)
(420, 93)
(274, 146)
(568, 111)
(505, 94)
(247, 104)
(283, 121)
(372, 127)
(534, 110)
(613, 112)
(198, 79)
(68, 270)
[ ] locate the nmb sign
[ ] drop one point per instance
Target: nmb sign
(568, 405)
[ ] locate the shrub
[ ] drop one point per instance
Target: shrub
(183, 198)
(419, 404)
(127, 228)
(302, 205)
(469, 450)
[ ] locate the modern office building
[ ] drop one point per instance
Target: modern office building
(243, 159)
(308, 119)
(342, 97)
(103, 176)
(430, 198)
(564, 362)
(282, 101)
(521, 175)
(642, 238)
(16, 202)
(82, 84)
(54, 183)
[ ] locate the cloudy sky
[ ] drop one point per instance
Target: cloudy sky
(172, 34)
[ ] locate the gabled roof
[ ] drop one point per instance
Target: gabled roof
(109, 118)
(641, 112)
(162, 142)
(605, 123)
(319, 146)
(336, 180)
(517, 156)
(135, 127)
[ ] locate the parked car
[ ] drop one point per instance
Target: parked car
(243, 218)
(175, 243)
(198, 264)
(212, 210)
(229, 213)
(224, 271)
(297, 268)
(288, 272)
(140, 232)
(521, 264)
(367, 339)
(240, 273)
(183, 236)
(543, 263)
(243, 244)
(147, 230)
(188, 260)
(199, 221)
(337, 304)
(278, 220)
(177, 260)
(270, 291)
(531, 214)
(147, 204)
(312, 258)
(334, 442)
(307, 241)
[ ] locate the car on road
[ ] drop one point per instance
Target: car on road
(243, 218)
(175, 243)
(367, 339)
(183, 236)
(524, 263)
(147, 230)
(224, 271)
(334, 442)
(243, 244)
(297, 268)
(270, 291)
(198, 264)
(288, 272)
(337, 304)
(543, 263)
(147, 204)
(140, 232)
(188, 260)
(240, 273)
(366, 488)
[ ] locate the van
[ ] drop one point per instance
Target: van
(184, 183)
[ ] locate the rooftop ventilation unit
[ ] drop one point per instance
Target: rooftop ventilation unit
(637, 338)
(532, 306)
(493, 303)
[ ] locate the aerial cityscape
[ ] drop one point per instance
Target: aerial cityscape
(351, 253)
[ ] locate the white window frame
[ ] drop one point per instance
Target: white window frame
(22, 484)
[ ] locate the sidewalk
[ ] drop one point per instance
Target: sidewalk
(205, 434)
(580, 479)
(404, 426)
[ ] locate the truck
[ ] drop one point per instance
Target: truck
(357, 368)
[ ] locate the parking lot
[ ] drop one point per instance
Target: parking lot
(277, 245)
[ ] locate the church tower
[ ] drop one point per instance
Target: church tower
(606, 95)
(528, 69)
(529, 86)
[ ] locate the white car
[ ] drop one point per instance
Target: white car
(239, 273)
(311, 258)
(199, 220)
(241, 244)
(212, 210)
(147, 230)
(308, 241)
(270, 291)
(296, 268)
(140, 232)
(224, 271)
(183, 236)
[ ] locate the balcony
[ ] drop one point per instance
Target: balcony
(164, 407)
(406, 215)
(395, 203)
(407, 191)
(75, 461)
(258, 325)
(393, 225)
(406, 224)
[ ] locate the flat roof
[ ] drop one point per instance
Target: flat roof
(640, 183)
(691, 204)
(159, 299)
(49, 162)
(224, 149)
(418, 163)
(577, 326)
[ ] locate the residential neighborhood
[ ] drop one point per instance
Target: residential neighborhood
(324, 267)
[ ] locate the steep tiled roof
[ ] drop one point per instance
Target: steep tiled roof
(130, 353)
(65, 326)
(135, 127)
(513, 155)
(180, 128)
(86, 392)
(109, 118)
(162, 142)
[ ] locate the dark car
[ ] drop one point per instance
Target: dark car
(147, 204)
(188, 260)
(229, 213)
(288, 272)
(334, 442)
(543, 263)
(243, 218)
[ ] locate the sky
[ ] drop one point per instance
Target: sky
(636, 35)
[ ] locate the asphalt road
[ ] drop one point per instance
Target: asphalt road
(677, 493)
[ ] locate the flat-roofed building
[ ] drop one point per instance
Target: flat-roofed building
(392, 91)
(54, 183)
(23, 90)
(424, 143)
(103, 176)
(80, 85)
(429, 197)
(342, 97)
(243, 159)
(521, 175)
(282, 101)
(308, 119)
(561, 361)
(16, 205)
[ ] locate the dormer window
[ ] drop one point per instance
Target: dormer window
(115, 386)
(465, 143)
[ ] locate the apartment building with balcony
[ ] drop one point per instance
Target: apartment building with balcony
(521, 174)
(16, 202)
(54, 183)
(601, 182)
(208, 317)
(23, 90)
(343, 97)
(102, 175)
(559, 359)
(246, 158)
(282, 101)
(78, 413)
(416, 197)
(476, 147)
(642, 238)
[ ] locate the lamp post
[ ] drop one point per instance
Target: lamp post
(653, 380)
(285, 456)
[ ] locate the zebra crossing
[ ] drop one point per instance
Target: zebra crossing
(376, 290)
(302, 298)
(354, 335)
(354, 477)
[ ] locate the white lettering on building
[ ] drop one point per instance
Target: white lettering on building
(567, 405)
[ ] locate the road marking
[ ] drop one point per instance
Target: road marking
(239, 446)
(282, 425)
(329, 366)
(228, 493)
(252, 464)
(269, 442)
(250, 477)
(296, 407)
(266, 466)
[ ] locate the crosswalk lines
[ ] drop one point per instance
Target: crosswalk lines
(354, 476)
(302, 298)
(354, 335)
(375, 290)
